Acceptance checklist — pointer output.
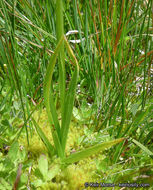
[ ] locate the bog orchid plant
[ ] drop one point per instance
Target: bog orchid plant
(60, 130)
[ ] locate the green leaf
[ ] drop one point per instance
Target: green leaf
(68, 107)
(8, 164)
(90, 151)
(69, 100)
(103, 165)
(4, 185)
(145, 149)
(38, 183)
(134, 108)
(16, 105)
(48, 145)
(139, 117)
(76, 113)
(13, 151)
(48, 96)
(43, 165)
(53, 172)
(24, 179)
(49, 101)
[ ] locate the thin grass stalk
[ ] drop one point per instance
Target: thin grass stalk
(12, 61)
(146, 42)
(92, 14)
(60, 33)
(78, 23)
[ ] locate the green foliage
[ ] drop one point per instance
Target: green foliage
(90, 151)
(67, 100)
(110, 43)
(9, 165)
(143, 148)
(43, 173)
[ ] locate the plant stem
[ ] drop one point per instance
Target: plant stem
(59, 34)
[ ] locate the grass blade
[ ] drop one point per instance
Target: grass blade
(49, 102)
(68, 107)
(43, 137)
(90, 151)
(145, 149)
(69, 101)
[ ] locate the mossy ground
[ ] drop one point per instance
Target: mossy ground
(75, 175)
(95, 168)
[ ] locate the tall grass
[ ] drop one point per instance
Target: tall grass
(114, 56)
(60, 132)
(121, 51)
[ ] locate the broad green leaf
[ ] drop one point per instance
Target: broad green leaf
(8, 164)
(90, 151)
(13, 151)
(43, 165)
(53, 172)
(145, 149)
(76, 113)
(24, 179)
(38, 183)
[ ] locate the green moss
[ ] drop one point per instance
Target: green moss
(71, 178)
(36, 146)
(75, 175)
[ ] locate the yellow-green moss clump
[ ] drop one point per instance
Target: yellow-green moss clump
(36, 146)
(75, 175)
(72, 178)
